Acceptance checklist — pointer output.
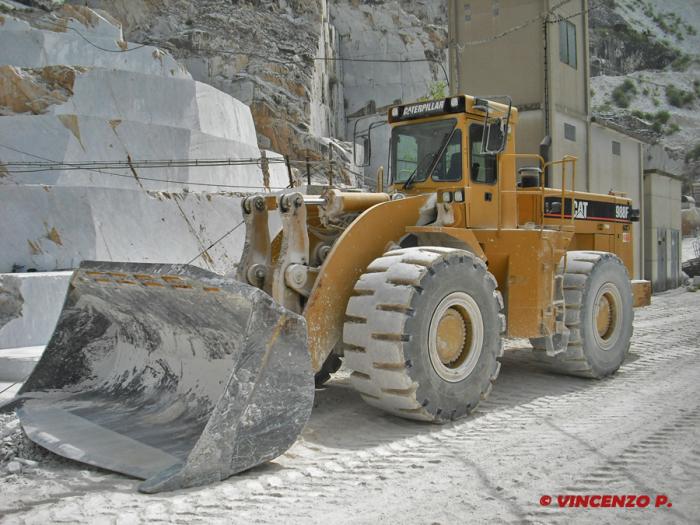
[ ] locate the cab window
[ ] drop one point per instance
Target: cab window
(415, 147)
(406, 157)
(449, 168)
(483, 167)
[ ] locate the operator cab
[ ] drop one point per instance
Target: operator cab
(452, 147)
(437, 142)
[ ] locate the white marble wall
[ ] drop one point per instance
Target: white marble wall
(26, 46)
(119, 107)
(42, 296)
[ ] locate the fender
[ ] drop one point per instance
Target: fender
(362, 242)
(461, 238)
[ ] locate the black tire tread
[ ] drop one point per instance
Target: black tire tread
(574, 361)
(373, 346)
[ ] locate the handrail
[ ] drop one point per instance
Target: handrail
(542, 163)
(566, 160)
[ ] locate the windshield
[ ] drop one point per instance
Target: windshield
(414, 149)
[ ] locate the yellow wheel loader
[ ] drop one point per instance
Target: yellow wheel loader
(181, 377)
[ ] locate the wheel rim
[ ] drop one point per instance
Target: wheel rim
(607, 316)
(455, 337)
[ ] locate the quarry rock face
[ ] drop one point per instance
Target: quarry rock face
(387, 31)
(95, 150)
(59, 41)
(648, 51)
(412, 38)
(278, 57)
(294, 62)
(76, 90)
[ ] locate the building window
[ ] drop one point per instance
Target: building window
(567, 43)
(616, 147)
(496, 7)
(467, 12)
(570, 132)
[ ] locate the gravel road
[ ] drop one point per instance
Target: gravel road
(539, 434)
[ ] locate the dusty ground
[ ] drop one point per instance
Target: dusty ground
(539, 434)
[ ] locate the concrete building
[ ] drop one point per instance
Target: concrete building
(616, 164)
(509, 47)
(663, 182)
(662, 229)
(537, 51)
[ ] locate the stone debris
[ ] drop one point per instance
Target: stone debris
(30, 463)
(694, 283)
(9, 428)
(382, 459)
(17, 451)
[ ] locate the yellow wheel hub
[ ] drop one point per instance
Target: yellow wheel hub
(451, 336)
(455, 337)
(606, 317)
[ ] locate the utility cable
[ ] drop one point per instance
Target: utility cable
(152, 179)
(6, 389)
(92, 165)
(390, 61)
(81, 35)
(217, 241)
(258, 55)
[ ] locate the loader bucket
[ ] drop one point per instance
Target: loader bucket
(169, 373)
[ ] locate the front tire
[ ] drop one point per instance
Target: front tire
(423, 333)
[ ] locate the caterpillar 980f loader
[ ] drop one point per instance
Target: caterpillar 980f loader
(180, 377)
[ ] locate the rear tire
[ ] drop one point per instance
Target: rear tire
(599, 315)
(423, 333)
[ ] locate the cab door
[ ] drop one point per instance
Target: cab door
(482, 171)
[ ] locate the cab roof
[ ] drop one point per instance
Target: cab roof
(451, 105)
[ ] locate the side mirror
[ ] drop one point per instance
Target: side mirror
(366, 153)
(364, 139)
(495, 140)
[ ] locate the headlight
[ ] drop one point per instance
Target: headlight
(459, 196)
(447, 196)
